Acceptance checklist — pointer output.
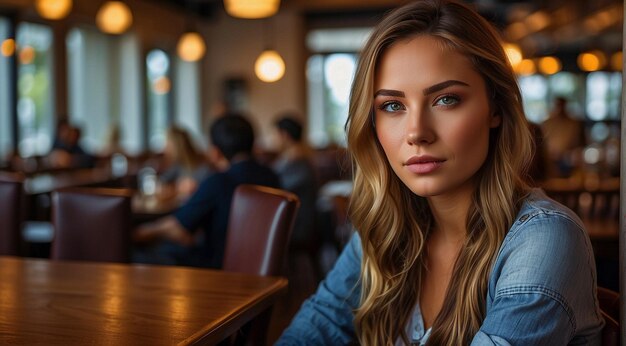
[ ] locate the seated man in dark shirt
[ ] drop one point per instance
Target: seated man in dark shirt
(207, 210)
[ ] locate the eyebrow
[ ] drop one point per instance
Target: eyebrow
(442, 85)
(427, 91)
(387, 92)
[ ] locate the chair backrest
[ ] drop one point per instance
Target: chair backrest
(260, 222)
(609, 307)
(610, 332)
(609, 302)
(91, 224)
(11, 192)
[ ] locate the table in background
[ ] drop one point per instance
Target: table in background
(62, 303)
(595, 201)
(38, 235)
(149, 208)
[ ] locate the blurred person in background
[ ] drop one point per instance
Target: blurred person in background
(196, 234)
(295, 170)
(67, 151)
(186, 166)
(563, 139)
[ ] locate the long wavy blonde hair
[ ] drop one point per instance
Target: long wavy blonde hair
(394, 223)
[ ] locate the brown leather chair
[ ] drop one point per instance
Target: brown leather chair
(609, 307)
(11, 192)
(609, 302)
(610, 332)
(259, 225)
(260, 222)
(91, 224)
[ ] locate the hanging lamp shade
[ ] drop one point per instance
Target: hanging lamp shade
(191, 46)
(114, 17)
(53, 9)
(269, 66)
(251, 9)
(591, 61)
(549, 65)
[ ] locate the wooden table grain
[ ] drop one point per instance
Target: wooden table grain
(77, 303)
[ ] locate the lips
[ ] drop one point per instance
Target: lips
(423, 164)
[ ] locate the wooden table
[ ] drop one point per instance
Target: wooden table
(46, 183)
(149, 208)
(63, 303)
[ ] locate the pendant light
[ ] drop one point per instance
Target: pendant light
(591, 60)
(269, 66)
(53, 9)
(191, 46)
(114, 17)
(549, 65)
(251, 9)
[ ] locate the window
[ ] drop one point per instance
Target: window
(6, 103)
(603, 95)
(100, 77)
(534, 90)
(158, 90)
(34, 86)
(570, 86)
(539, 92)
(329, 77)
(89, 77)
(188, 106)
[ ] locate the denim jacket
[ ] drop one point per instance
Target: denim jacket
(542, 288)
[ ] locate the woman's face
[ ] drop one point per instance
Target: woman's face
(432, 116)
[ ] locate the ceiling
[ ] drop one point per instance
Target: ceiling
(539, 27)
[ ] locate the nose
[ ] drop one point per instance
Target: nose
(420, 130)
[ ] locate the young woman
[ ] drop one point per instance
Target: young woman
(187, 167)
(452, 246)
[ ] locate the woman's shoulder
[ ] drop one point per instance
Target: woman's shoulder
(541, 213)
(547, 246)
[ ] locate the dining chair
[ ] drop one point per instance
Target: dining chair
(91, 224)
(610, 331)
(609, 308)
(609, 302)
(259, 226)
(11, 197)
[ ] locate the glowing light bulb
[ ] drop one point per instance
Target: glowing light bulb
(251, 9)
(269, 66)
(191, 46)
(114, 17)
(53, 9)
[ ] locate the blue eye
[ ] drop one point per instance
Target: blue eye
(391, 106)
(447, 100)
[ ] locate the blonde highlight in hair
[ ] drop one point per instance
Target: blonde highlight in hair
(185, 152)
(394, 223)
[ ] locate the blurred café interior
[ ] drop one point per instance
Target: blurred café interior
(96, 93)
